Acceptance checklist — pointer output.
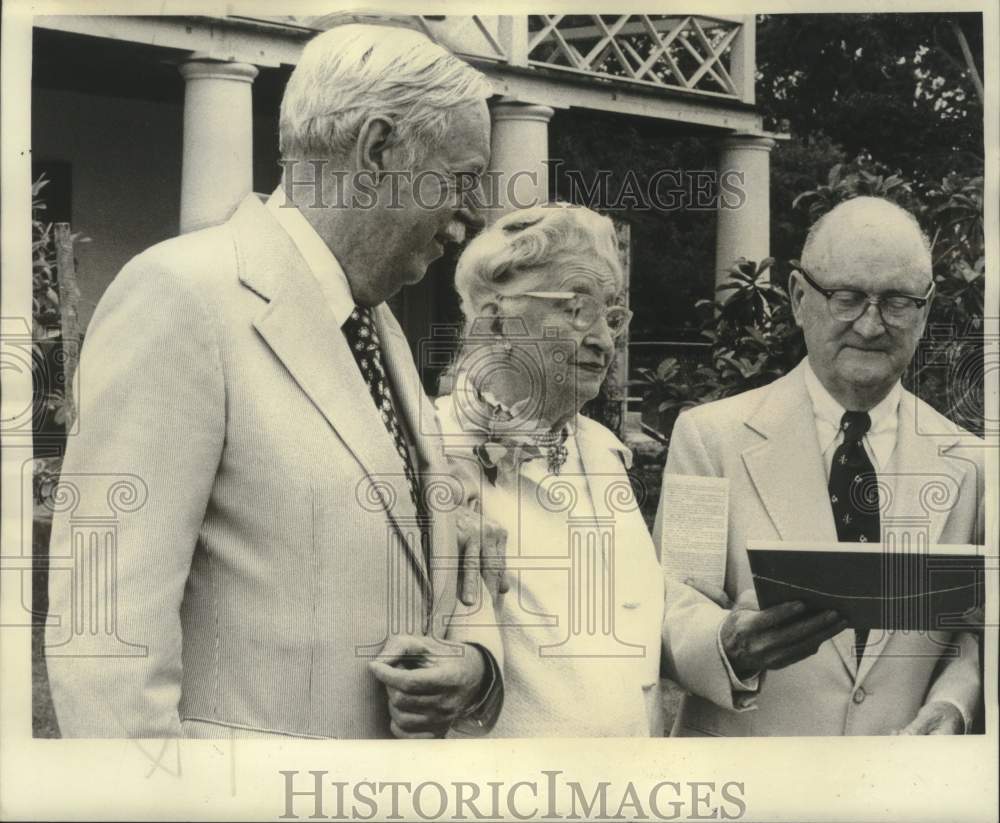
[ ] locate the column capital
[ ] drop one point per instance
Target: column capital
(202, 68)
(508, 108)
(750, 142)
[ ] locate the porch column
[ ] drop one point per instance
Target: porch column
(518, 175)
(744, 209)
(217, 170)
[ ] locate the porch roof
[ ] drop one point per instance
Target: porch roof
(689, 69)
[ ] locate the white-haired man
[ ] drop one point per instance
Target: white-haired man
(861, 298)
(279, 575)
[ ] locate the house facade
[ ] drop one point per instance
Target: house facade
(152, 126)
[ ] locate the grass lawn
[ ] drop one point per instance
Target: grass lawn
(43, 716)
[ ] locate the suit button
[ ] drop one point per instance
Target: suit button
(859, 695)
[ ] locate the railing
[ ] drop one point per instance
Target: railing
(689, 53)
(707, 56)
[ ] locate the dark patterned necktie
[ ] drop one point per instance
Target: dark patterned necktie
(854, 493)
(359, 329)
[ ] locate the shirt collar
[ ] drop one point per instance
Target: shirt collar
(828, 413)
(320, 260)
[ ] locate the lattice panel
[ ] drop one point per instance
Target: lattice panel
(691, 53)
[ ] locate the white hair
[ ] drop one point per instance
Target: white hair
(352, 72)
(530, 240)
(852, 220)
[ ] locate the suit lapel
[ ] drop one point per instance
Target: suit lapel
(419, 418)
(788, 473)
(787, 467)
(923, 482)
(923, 485)
(605, 460)
(300, 329)
(415, 411)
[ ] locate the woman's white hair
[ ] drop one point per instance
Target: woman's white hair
(352, 72)
(521, 244)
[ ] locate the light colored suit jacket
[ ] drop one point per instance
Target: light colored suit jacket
(764, 442)
(581, 622)
(268, 548)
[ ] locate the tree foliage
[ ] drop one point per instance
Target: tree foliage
(875, 104)
(50, 404)
(754, 338)
(894, 86)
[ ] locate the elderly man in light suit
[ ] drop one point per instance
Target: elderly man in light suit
(287, 574)
(861, 298)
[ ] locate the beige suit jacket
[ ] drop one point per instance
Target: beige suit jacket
(765, 442)
(270, 548)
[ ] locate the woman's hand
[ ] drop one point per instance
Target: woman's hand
(482, 546)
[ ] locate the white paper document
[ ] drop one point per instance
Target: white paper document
(695, 525)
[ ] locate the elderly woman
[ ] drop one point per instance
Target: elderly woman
(541, 293)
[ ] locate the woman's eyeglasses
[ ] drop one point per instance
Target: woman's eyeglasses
(897, 310)
(584, 310)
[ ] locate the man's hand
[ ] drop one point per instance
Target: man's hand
(428, 683)
(482, 545)
(938, 717)
(773, 638)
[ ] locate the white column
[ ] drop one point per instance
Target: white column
(744, 209)
(217, 171)
(520, 146)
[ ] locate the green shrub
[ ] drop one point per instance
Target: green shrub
(754, 338)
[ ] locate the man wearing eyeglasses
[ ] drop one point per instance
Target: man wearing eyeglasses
(791, 451)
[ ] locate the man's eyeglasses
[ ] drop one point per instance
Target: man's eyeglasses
(584, 310)
(896, 309)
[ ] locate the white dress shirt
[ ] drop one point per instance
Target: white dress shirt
(879, 441)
